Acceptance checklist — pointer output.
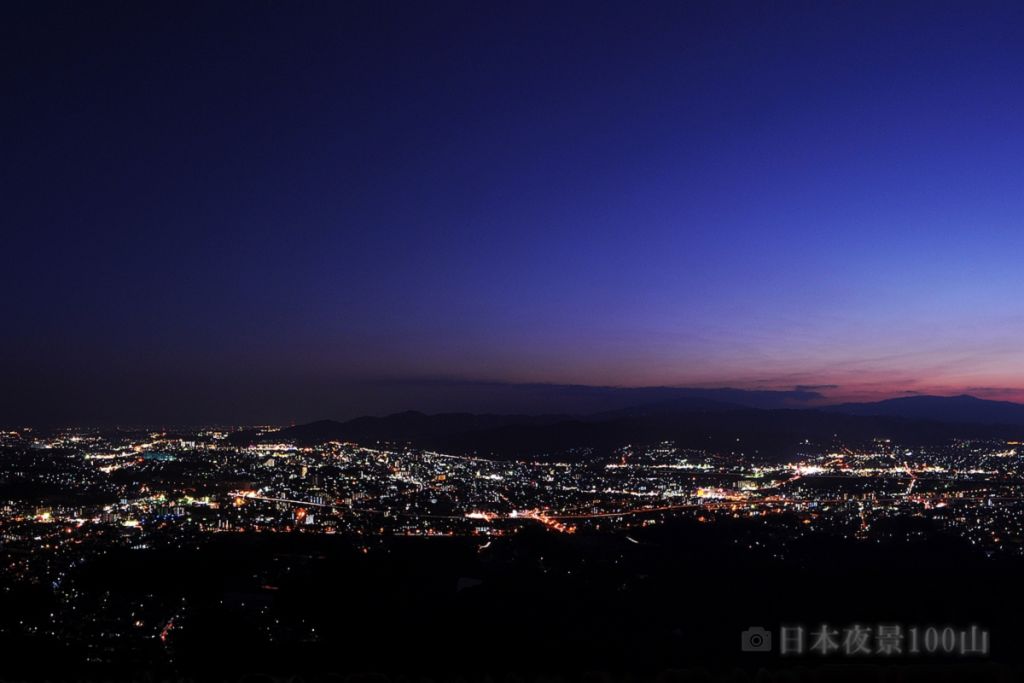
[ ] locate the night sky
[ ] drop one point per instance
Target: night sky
(270, 211)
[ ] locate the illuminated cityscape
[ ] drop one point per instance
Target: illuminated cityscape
(74, 497)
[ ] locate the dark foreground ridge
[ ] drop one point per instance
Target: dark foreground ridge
(651, 602)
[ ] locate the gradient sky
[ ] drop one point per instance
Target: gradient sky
(271, 211)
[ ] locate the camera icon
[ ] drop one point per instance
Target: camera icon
(756, 639)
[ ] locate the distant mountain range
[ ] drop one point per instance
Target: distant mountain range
(961, 409)
(694, 421)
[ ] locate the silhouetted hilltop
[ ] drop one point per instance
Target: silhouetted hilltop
(961, 409)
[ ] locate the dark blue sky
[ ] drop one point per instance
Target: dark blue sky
(276, 211)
